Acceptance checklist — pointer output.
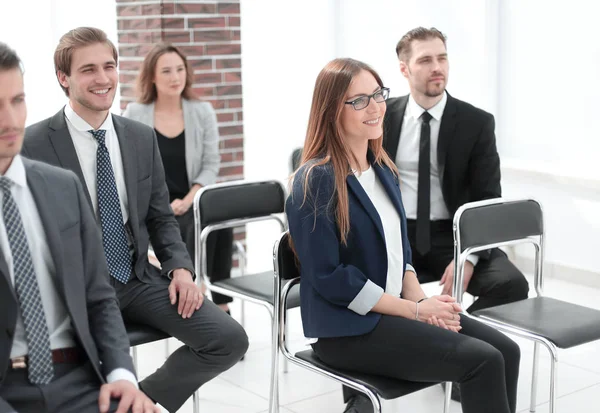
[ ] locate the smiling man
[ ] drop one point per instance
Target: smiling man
(119, 162)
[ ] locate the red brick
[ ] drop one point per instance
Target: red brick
(216, 103)
(202, 22)
(239, 116)
(236, 35)
(127, 78)
(133, 1)
(128, 91)
(151, 9)
(229, 63)
(138, 24)
(189, 51)
(207, 78)
(233, 21)
(196, 8)
(167, 8)
(201, 64)
(134, 50)
(234, 103)
(225, 117)
(213, 49)
(212, 35)
(232, 77)
(229, 90)
(140, 37)
(129, 10)
(232, 170)
(228, 8)
(173, 23)
(231, 130)
(204, 91)
(176, 36)
(232, 143)
(129, 65)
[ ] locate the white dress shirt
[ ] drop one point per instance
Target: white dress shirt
(57, 317)
(407, 161)
(392, 229)
(86, 147)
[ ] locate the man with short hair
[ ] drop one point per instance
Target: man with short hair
(65, 347)
(118, 161)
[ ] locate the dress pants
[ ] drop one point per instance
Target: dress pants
(74, 388)
(495, 279)
(481, 359)
(213, 341)
(219, 250)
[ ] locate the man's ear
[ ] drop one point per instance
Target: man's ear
(404, 69)
(62, 78)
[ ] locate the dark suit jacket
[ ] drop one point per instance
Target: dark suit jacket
(151, 219)
(81, 274)
(332, 273)
(468, 160)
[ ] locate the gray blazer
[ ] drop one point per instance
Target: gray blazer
(202, 157)
(82, 278)
(151, 218)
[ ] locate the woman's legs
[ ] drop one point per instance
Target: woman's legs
(411, 350)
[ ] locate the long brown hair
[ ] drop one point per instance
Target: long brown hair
(145, 81)
(324, 142)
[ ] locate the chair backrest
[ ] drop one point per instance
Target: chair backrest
(494, 223)
(295, 159)
(497, 221)
(285, 264)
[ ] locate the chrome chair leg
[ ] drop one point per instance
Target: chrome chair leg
(375, 401)
(447, 396)
(553, 375)
(285, 360)
(196, 401)
(134, 356)
(534, 377)
(274, 390)
(167, 350)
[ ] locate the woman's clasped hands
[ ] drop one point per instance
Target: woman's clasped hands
(442, 311)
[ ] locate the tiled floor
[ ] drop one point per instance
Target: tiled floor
(245, 387)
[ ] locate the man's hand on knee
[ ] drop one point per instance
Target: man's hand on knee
(131, 399)
(189, 294)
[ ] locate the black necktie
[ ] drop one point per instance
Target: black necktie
(424, 187)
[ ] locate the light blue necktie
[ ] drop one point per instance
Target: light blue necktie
(114, 238)
(40, 367)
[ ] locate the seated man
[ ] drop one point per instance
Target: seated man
(65, 347)
(118, 162)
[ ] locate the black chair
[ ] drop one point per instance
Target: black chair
(553, 323)
(287, 276)
(232, 204)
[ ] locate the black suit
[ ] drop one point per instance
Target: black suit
(469, 170)
(81, 279)
(214, 341)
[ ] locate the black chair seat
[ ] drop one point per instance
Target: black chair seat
(387, 388)
(565, 324)
(142, 334)
(260, 287)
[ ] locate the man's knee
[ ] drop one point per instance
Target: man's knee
(233, 341)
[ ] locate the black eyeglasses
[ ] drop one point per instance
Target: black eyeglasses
(363, 101)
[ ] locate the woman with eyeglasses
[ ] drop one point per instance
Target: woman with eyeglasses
(360, 298)
(188, 140)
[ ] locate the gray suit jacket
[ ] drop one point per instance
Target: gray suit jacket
(202, 159)
(151, 219)
(81, 274)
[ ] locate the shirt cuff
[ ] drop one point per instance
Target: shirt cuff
(411, 268)
(473, 259)
(122, 374)
(366, 299)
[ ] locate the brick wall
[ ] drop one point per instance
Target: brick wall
(208, 32)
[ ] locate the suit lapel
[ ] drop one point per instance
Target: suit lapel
(393, 125)
(365, 201)
(39, 189)
(129, 159)
(447, 128)
(62, 143)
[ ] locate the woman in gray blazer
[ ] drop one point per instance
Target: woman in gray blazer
(188, 139)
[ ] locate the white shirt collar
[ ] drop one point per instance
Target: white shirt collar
(81, 125)
(415, 111)
(16, 172)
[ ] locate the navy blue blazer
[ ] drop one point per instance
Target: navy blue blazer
(333, 274)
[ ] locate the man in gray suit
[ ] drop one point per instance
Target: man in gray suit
(63, 346)
(119, 162)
